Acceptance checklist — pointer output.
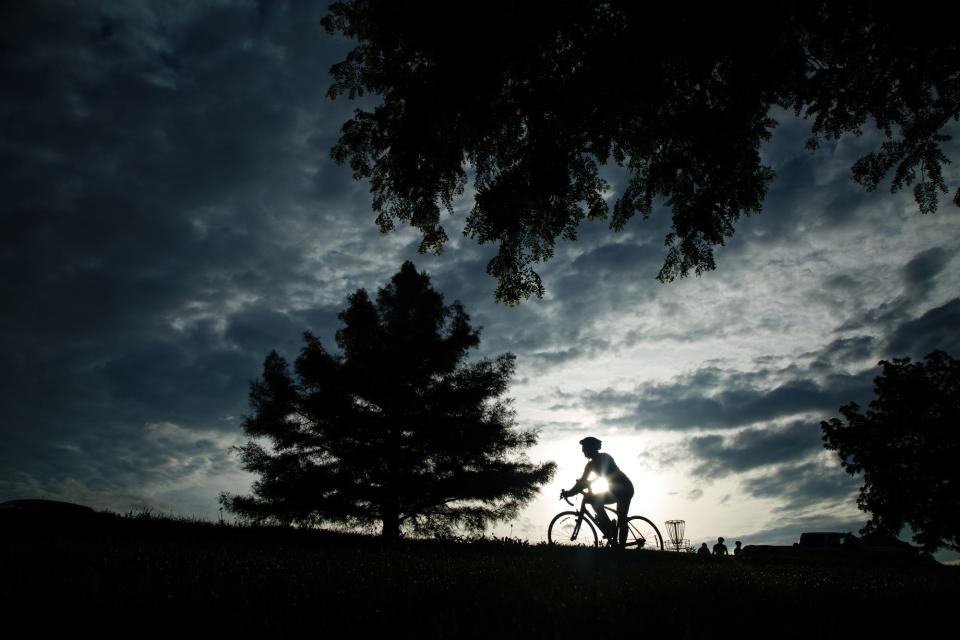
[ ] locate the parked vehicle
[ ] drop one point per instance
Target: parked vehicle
(836, 547)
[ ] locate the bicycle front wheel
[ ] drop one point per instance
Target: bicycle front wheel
(569, 529)
(643, 535)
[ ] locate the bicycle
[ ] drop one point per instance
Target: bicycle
(567, 528)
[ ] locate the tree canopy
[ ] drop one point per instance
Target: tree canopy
(397, 429)
(907, 445)
(529, 99)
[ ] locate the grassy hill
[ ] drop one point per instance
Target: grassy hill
(162, 577)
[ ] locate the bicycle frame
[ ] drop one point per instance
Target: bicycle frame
(585, 513)
(641, 532)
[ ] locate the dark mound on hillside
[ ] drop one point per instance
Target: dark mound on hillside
(33, 514)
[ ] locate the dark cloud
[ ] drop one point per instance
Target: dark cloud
(160, 467)
(919, 277)
(842, 282)
(812, 193)
(924, 267)
(935, 329)
(166, 190)
(843, 352)
(802, 486)
(561, 328)
(612, 258)
(718, 456)
(815, 382)
(714, 398)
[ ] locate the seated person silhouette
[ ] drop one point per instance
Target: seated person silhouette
(620, 489)
(703, 550)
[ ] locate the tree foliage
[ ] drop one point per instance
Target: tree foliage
(907, 445)
(531, 98)
(397, 429)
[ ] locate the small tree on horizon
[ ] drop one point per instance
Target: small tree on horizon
(398, 429)
(907, 445)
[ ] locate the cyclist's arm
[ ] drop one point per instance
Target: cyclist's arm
(583, 482)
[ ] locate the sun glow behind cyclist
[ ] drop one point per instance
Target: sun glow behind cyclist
(600, 485)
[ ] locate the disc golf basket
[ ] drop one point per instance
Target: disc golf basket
(675, 540)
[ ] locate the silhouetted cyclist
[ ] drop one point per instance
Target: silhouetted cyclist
(620, 489)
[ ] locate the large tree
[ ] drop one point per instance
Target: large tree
(531, 98)
(907, 446)
(396, 429)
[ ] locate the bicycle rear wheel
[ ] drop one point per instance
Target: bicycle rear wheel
(643, 535)
(565, 531)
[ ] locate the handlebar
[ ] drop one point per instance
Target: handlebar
(580, 493)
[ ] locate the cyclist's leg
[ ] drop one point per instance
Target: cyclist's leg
(597, 500)
(623, 511)
(624, 497)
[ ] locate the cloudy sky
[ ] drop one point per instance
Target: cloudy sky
(171, 214)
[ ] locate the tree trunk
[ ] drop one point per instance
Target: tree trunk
(391, 510)
(391, 523)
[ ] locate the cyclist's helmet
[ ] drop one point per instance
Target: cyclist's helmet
(591, 443)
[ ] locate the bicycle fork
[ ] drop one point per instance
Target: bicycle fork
(576, 528)
(580, 518)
